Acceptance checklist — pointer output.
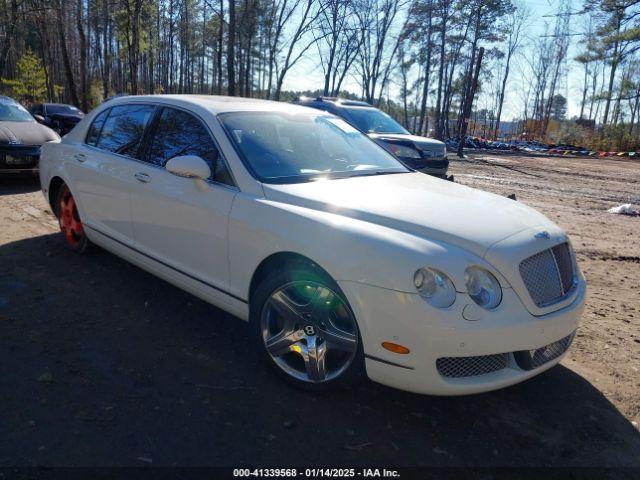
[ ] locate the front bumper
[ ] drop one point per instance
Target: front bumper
(432, 334)
(19, 159)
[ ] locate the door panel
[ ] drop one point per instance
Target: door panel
(102, 182)
(174, 221)
(103, 169)
(178, 224)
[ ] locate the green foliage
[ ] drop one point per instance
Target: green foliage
(124, 23)
(95, 92)
(618, 138)
(572, 134)
(30, 84)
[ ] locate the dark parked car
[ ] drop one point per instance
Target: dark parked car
(58, 116)
(426, 155)
(20, 138)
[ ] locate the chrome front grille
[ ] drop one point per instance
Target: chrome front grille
(553, 350)
(549, 275)
(460, 367)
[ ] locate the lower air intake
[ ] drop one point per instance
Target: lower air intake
(551, 351)
(461, 367)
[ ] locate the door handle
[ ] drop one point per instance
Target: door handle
(81, 157)
(142, 177)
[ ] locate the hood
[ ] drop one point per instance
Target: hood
(405, 137)
(431, 145)
(26, 133)
(417, 204)
(66, 117)
(418, 141)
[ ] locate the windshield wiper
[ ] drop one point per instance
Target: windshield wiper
(376, 172)
(350, 174)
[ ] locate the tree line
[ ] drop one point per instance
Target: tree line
(440, 67)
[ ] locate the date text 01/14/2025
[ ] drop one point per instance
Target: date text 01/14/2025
(316, 472)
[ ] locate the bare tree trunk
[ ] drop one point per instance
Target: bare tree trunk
(220, 47)
(13, 21)
(71, 85)
(84, 92)
(47, 62)
(612, 74)
(439, 102)
(503, 89)
(469, 102)
(585, 87)
(133, 41)
(425, 87)
(231, 72)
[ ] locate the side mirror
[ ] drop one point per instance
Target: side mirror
(39, 118)
(189, 166)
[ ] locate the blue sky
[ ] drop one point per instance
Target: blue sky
(308, 75)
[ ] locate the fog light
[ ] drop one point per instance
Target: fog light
(395, 348)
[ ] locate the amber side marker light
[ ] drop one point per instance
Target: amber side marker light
(395, 348)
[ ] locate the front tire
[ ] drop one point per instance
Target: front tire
(303, 327)
(70, 222)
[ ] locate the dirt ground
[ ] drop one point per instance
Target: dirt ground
(576, 194)
(102, 364)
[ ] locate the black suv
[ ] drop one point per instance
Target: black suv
(58, 116)
(426, 155)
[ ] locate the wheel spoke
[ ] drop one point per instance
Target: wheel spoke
(315, 359)
(339, 339)
(76, 227)
(69, 219)
(283, 343)
(321, 303)
(301, 317)
(287, 309)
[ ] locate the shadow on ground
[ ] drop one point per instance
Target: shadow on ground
(15, 185)
(104, 364)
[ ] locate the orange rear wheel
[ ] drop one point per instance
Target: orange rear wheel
(70, 223)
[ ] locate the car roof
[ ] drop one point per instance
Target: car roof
(335, 101)
(214, 103)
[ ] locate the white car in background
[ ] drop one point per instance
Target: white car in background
(340, 258)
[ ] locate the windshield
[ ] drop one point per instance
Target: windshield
(62, 109)
(288, 148)
(372, 120)
(14, 112)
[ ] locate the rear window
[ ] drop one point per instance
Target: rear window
(122, 129)
(372, 120)
(63, 109)
(96, 128)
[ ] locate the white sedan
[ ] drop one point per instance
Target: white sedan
(340, 258)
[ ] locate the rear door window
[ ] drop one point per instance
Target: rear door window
(123, 129)
(96, 127)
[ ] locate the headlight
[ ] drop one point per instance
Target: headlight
(403, 151)
(435, 287)
(483, 287)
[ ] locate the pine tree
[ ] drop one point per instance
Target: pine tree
(30, 84)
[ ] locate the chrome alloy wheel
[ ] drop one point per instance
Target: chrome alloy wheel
(309, 331)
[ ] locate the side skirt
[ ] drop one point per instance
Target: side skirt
(210, 294)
